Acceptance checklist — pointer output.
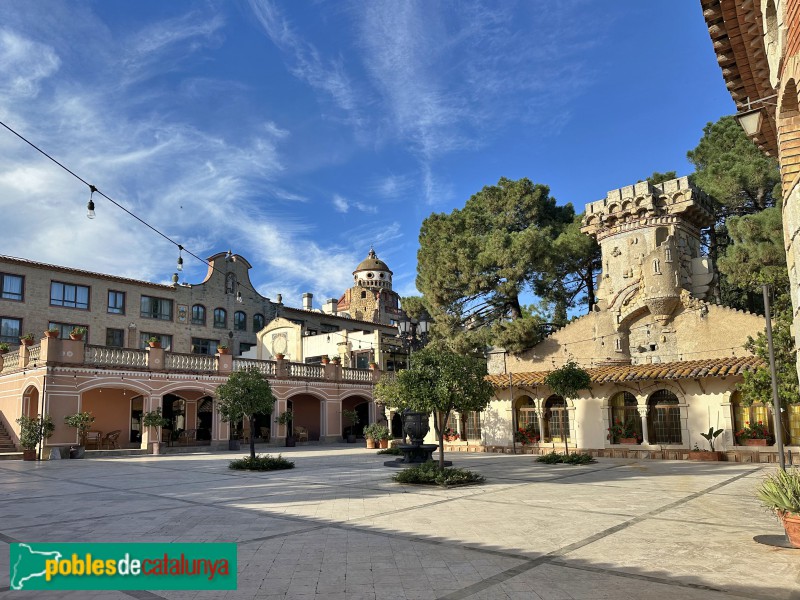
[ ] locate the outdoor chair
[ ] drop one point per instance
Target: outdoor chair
(187, 436)
(301, 433)
(264, 433)
(93, 439)
(110, 440)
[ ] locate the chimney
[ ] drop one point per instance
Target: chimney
(334, 305)
(307, 298)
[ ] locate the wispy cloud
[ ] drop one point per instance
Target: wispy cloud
(393, 187)
(25, 64)
(305, 61)
(340, 204)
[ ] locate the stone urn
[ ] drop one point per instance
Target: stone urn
(416, 426)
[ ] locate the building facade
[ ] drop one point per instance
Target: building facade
(758, 49)
(663, 361)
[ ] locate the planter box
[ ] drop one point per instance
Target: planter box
(754, 442)
(705, 455)
(629, 441)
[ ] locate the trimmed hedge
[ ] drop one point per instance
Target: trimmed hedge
(395, 451)
(429, 474)
(579, 458)
(261, 463)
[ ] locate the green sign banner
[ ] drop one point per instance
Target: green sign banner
(83, 566)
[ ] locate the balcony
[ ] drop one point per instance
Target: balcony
(74, 353)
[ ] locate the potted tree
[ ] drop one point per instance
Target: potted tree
(780, 492)
(285, 418)
(371, 435)
(27, 339)
(32, 432)
(77, 333)
(383, 433)
(154, 418)
(711, 454)
(567, 381)
(246, 393)
(52, 332)
(350, 430)
(81, 421)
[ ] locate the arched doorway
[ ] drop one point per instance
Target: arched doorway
(205, 417)
(30, 402)
(361, 405)
(664, 418)
(306, 411)
(556, 419)
(527, 416)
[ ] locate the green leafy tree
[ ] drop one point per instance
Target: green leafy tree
(474, 263)
(439, 382)
(757, 385)
(658, 177)
(414, 306)
(740, 180)
(246, 393)
(567, 381)
(81, 421)
(34, 430)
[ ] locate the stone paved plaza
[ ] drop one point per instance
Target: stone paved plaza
(336, 527)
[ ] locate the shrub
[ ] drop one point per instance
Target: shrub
(429, 473)
(395, 451)
(261, 463)
(554, 458)
(780, 491)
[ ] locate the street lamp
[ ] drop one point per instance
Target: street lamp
(750, 119)
(413, 333)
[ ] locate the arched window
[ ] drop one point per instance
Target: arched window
(258, 322)
(664, 418)
(556, 419)
(661, 235)
(527, 417)
(622, 411)
(220, 318)
(198, 314)
(239, 321)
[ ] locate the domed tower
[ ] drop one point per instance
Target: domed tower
(371, 298)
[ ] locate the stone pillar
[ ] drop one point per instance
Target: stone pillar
(224, 364)
(155, 359)
(642, 408)
(149, 434)
(540, 418)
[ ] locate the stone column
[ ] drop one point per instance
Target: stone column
(540, 418)
(642, 408)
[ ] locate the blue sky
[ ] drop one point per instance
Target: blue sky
(299, 133)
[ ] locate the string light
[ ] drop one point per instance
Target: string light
(179, 266)
(90, 205)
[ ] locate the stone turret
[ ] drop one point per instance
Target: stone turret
(650, 241)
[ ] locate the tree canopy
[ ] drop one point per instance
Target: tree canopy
(474, 263)
(439, 382)
(246, 393)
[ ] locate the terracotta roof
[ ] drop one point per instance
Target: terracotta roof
(687, 369)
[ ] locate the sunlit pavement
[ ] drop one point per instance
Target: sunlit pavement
(337, 527)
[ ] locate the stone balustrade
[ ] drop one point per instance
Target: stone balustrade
(57, 352)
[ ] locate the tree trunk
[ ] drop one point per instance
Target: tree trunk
(590, 300)
(713, 250)
(252, 437)
(439, 420)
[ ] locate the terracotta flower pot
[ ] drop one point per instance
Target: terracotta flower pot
(280, 356)
(76, 336)
(224, 350)
(51, 334)
(26, 342)
(370, 444)
(791, 523)
(754, 442)
(383, 444)
(29, 454)
(155, 344)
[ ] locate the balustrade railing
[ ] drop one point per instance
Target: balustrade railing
(349, 374)
(306, 371)
(34, 352)
(118, 357)
(189, 362)
(10, 361)
(267, 367)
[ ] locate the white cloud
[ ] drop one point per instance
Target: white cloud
(393, 186)
(340, 204)
(24, 64)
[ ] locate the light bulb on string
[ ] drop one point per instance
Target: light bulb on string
(90, 205)
(179, 266)
(239, 298)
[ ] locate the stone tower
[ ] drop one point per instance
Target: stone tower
(371, 298)
(652, 267)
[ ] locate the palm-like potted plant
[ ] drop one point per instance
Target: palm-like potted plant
(780, 492)
(154, 418)
(285, 418)
(32, 431)
(81, 421)
(77, 333)
(711, 454)
(350, 431)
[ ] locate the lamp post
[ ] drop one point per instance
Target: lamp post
(413, 333)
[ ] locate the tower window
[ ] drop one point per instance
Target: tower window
(363, 294)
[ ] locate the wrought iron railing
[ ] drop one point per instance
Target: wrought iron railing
(117, 357)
